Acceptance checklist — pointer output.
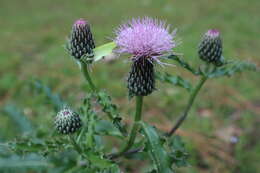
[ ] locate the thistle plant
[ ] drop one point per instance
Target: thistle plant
(146, 42)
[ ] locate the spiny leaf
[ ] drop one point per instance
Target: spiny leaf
(233, 67)
(183, 64)
(91, 128)
(98, 160)
(176, 143)
(28, 161)
(36, 145)
(113, 169)
(104, 50)
(179, 154)
(19, 118)
(54, 98)
(175, 80)
(156, 150)
(104, 127)
(110, 109)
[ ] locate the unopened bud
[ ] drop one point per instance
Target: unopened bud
(67, 121)
(210, 48)
(81, 42)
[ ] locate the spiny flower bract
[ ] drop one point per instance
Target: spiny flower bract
(81, 42)
(67, 121)
(145, 37)
(210, 48)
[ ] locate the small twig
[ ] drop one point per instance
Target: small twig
(127, 153)
(187, 109)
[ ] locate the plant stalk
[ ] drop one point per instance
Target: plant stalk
(189, 105)
(85, 70)
(126, 153)
(138, 114)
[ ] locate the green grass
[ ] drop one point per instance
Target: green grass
(33, 33)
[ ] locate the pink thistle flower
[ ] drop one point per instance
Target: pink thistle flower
(213, 33)
(79, 23)
(147, 40)
(145, 37)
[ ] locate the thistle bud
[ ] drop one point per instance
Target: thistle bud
(67, 121)
(81, 43)
(210, 48)
(141, 80)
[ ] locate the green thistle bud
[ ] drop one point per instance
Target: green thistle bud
(210, 48)
(81, 43)
(141, 80)
(67, 121)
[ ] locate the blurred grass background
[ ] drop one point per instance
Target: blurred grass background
(33, 33)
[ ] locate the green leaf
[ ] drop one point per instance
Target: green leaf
(91, 128)
(104, 127)
(233, 67)
(183, 64)
(30, 144)
(28, 161)
(53, 98)
(174, 80)
(156, 149)
(176, 143)
(111, 110)
(19, 119)
(104, 50)
(98, 160)
(179, 154)
(113, 169)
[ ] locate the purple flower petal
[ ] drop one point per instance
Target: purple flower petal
(145, 37)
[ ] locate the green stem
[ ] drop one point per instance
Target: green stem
(90, 134)
(138, 114)
(188, 107)
(85, 70)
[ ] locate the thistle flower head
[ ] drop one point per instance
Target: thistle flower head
(67, 121)
(145, 37)
(210, 48)
(81, 42)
